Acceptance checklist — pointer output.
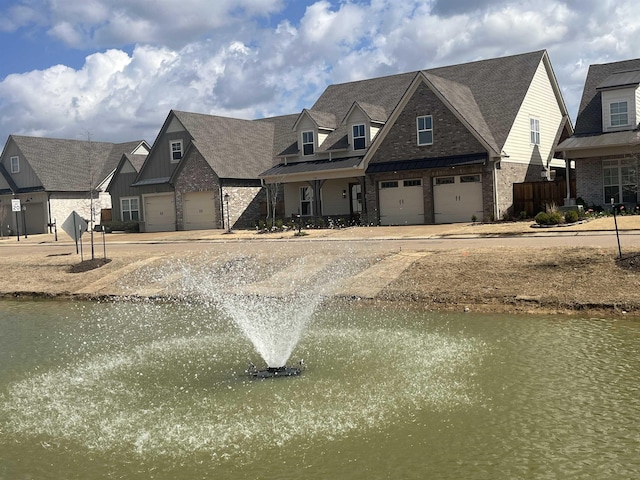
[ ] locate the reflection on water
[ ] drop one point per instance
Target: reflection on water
(150, 390)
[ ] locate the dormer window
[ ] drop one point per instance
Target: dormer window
(619, 114)
(176, 150)
(308, 143)
(425, 130)
(359, 139)
(15, 164)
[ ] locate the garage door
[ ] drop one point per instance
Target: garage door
(159, 213)
(401, 202)
(457, 198)
(199, 211)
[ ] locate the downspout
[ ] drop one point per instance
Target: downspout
(222, 207)
(495, 189)
(266, 191)
(49, 223)
(567, 166)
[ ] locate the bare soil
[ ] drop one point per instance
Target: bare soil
(567, 280)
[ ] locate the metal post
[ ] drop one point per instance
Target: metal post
(17, 227)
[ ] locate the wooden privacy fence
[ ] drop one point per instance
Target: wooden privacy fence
(533, 197)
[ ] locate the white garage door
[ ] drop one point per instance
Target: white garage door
(457, 198)
(401, 202)
(199, 211)
(159, 213)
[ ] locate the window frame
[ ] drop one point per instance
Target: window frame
(306, 143)
(359, 139)
(534, 130)
(15, 167)
(619, 115)
(172, 151)
(620, 180)
(129, 210)
(426, 129)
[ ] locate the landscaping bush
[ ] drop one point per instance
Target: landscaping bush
(555, 218)
(542, 218)
(571, 216)
(129, 227)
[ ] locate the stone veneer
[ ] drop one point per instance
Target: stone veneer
(246, 200)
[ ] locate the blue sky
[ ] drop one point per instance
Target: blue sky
(113, 69)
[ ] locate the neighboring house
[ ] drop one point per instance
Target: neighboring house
(200, 166)
(434, 146)
(606, 143)
(54, 177)
(125, 204)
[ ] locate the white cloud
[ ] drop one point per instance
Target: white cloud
(225, 58)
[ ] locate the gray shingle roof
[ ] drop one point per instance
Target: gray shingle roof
(234, 148)
(589, 121)
(487, 93)
(70, 165)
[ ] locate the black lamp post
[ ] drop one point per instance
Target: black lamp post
(226, 201)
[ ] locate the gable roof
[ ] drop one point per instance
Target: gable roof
(234, 148)
(135, 160)
(486, 94)
(599, 76)
(70, 165)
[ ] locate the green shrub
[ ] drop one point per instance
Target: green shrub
(129, 227)
(555, 218)
(542, 218)
(571, 216)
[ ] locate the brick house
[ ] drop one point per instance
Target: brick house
(53, 177)
(201, 171)
(434, 146)
(606, 143)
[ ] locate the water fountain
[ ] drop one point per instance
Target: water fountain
(158, 389)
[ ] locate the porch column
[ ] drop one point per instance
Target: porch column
(316, 185)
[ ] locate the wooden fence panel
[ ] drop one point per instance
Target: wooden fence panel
(533, 197)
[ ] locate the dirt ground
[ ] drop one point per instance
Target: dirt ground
(567, 280)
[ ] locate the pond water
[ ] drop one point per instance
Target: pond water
(157, 391)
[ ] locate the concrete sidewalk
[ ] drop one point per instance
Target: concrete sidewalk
(455, 230)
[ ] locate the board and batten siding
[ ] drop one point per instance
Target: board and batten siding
(26, 177)
(159, 164)
(540, 102)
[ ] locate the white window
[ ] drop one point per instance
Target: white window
(620, 180)
(425, 130)
(130, 208)
(389, 184)
(619, 114)
(308, 143)
(535, 131)
(15, 164)
(359, 139)
(176, 150)
(306, 201)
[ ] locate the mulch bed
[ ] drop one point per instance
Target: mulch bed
(88, 265)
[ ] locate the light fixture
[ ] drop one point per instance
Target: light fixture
(344, 194)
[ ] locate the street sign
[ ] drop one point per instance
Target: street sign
(74, 226)
(15, 205)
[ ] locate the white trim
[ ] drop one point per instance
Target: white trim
(171, 150)
(122, 209)
(362, 126)
(534, 130)
(426, 129)
(312, 143)
(17, 164)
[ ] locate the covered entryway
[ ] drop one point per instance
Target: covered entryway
(199, 210)
(401, 202)
(159, 213)
(457, 198)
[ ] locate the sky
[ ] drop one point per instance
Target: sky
(111, 70)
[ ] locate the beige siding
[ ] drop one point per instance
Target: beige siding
(540, 102)
(621, 95)
(332, 201)
(292, 197)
